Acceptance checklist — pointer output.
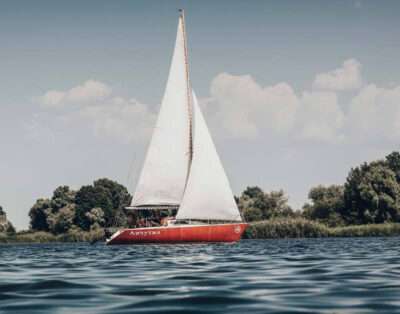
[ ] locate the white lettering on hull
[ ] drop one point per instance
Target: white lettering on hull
(144, 233)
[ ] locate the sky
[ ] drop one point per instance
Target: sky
(295, 92)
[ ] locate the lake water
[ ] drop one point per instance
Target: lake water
(350, 275)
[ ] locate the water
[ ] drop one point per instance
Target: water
(258, 276)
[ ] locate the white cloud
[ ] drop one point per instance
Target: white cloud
(320, 117)
(90, 91)
(115, 117)
(52, 98)
(243, 106)
(374, 114)
(247, 110)
(347, 77)
(240, 107)
(125, 120)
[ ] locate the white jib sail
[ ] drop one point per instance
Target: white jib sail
(163, 177)
(208, 195)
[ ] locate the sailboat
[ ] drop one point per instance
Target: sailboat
(182, 171)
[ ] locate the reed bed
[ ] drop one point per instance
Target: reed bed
(286, 228)
(302, 228)
(47, 237)
(372, 230)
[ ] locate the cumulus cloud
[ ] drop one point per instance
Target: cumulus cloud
(125, 120)
(242, 108)
(347, 77)
(375, 114)
(246, 110)
(90, 91)
(243, 105)
(320, 117)
(108, 116)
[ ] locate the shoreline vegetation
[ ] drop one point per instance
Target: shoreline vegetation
(367, 204)
(280, 228)
(304, 228)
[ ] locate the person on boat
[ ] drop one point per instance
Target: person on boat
(142, 222)
(167, 220)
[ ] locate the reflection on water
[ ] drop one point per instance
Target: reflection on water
(272, 276)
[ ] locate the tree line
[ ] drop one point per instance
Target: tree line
(91, 207)
(370, 195)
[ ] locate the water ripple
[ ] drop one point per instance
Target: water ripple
(352, 275)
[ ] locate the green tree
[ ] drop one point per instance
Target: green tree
(96, 218)
(62, 196)
(277, 204)
(327, 204)
(252, 214)
(54, 214)
(89, 197)
(106, 194)
(120, 198)
(371, 194)
(10, 228)
(38, 215)
(253, 192)
(246, 203)
(393, 161)
(5, 225)
(257, 205)
(68, 207)
(61, 220)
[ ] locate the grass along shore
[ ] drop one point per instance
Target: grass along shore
(303, 228)
(279, 228)
(47, 237)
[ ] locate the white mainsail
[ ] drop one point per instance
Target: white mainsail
(208, 195)
(164, 174)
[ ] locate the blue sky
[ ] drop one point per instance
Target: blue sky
(295, 92)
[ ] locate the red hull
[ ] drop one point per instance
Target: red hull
(180, 234)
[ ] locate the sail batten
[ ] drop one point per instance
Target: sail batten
(165, 170)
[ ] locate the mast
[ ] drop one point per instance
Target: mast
(188, 91)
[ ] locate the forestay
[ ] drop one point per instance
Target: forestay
(163, 177)
(208, 195)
